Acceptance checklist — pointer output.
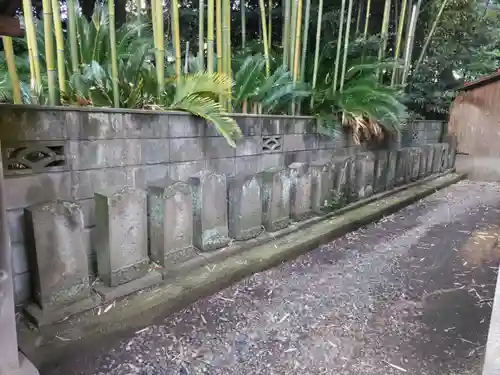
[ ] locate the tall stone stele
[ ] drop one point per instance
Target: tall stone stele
(323, 180)
(170, 223)
(210, 227)
(300, 192)
(276, 184)
(121, 242)
(55, 242)
(245, 206)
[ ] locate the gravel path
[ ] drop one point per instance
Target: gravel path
(408, 294)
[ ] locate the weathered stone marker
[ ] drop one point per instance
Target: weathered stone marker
(401, 162)
(344, 173)
(365, 168)
(437, 158)
(210, 210)
(391, 169)
(300, 191)
(445, 157)
(451, 140)
(323, 180)
(381, 170)
(245, 207)
(54, 235)
(430, 159)
(424, 157)
(170, 222)
(276, 185)
(121, 242)
(416, 156)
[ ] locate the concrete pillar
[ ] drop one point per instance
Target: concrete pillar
(12, 362)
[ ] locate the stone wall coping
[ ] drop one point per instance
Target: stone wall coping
(133, 111)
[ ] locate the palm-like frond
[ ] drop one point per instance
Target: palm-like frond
(248, 79)
(198, 94)
(279, 91)
(211, 111)
(210, 85)
(365, 105)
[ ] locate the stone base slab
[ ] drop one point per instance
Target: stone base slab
(109, 293)
(127, 274)
(41, 317)
(277, 225)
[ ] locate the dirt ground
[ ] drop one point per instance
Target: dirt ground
(408, 294)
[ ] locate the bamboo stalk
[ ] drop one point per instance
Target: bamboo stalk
(270, 22)
(339, 47)
(264, 36)
(409, 42)
(286, 31)
(201, 36)
(157, 8)
(396, 12)
(305, 40)
(11, 66)
(114, 62)
(419, 3)
(72, 33)
(243, 25)
(292, 31)
(384, 32)
(36, 77)
(49, 50)
(176, 38)
(210, 36)
(346, 44)
(399, 38)
(59, 46)
(227, 39)
(138, 5)
(297, 42)
(431, 34)
(218, 29)
(186, 65)
(409, 8)
(316, 50)
(358, 18)
(367, 18)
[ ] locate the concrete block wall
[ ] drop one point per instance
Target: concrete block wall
(69, 153)
(422, 132)
(61, 153)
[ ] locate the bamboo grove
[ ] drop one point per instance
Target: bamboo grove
(332, 66)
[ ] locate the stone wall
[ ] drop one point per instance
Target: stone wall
(62, 166)
(422, 132)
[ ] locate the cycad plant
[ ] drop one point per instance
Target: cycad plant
(255, 92)
(369, 108)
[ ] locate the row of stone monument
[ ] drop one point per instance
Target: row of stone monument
(174, 220)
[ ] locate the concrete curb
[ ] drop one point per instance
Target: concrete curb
(140, 310)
